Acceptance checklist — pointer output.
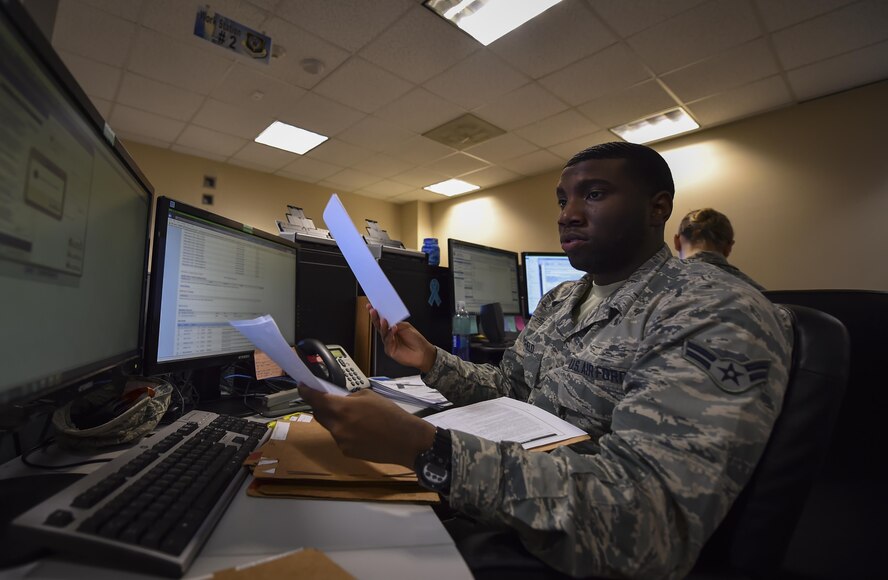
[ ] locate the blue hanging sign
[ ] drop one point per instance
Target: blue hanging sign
(232, 35)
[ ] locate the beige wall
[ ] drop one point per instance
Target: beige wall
(249, 196)
(806, 188)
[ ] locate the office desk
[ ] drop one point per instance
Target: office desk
(369, 540)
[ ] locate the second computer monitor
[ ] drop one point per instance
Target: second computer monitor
(542, 272)
(482, 275)
(207, 270)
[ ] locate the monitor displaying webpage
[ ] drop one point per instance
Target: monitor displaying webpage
(542, 273)
(213, 274)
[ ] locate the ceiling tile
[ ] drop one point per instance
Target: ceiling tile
(732, 68)
(420, 177)
(308, 169)
(382, 165)
(386, 188)
(420, 111)
(156, 97)
(176, 63)
(268, 158)
(520, 107)
(375, 134)
(417, 195)
(231, 120)
(779, 15)
(456, 164)
(851, 69)
(630, 16)
(628, 105)
(315, 113)
(500, 148)
(135, 122)
(198, 153)
(95, 78)
(102, 106)
(420, 150)
(693, 35)
(419, 46)
(352, 23)
(534, 163)
(559, 36)
(210, 141)
(353, 179)
(362, 85)
(756, 97)
(110, 47)
(255, 91)
(476, 80)
(564, 151)
(843, 30)
(126, 9)
(297, 45)
(339, 153)
(490, 176)
(610, 70)
(558, 129)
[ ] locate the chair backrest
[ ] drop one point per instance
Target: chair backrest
(865, 314)
(756, 532)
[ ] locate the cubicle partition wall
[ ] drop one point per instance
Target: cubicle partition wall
(325, 295)
(425, 291)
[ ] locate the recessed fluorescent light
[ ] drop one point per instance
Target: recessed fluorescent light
(452, 187)
(487, 20)
(657, 127)
(289, 138)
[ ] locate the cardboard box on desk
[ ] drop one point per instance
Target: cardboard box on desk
(302, 460)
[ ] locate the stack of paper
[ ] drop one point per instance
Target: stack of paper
(301, 459)
(410, 390)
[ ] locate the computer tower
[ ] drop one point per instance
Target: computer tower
(325, 295)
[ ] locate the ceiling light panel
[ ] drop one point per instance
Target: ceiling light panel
(487, 20)
(289, 138)
(649, 129)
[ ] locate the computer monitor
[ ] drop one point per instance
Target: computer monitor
(541, 272)
(74, 215)
(205, 271)
(482, 275)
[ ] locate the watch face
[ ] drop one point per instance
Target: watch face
(434, 474)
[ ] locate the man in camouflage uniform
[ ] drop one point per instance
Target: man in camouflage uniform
(676, 373)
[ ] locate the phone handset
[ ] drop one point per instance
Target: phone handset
(332, 363)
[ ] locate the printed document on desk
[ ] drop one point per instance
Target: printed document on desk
(410, 390)
(506, 419)
(379, 290)
(266, 336)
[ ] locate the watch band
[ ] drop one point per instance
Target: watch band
(432, 466)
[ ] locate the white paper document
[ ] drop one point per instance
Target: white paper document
(506, 419)
(379, 290)
(267, 337)
(409, 390)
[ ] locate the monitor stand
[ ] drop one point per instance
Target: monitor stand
(208, 383)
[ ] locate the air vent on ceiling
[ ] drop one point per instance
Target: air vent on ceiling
(463, 132)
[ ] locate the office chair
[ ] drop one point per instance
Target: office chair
(841, 529)
(752, 540)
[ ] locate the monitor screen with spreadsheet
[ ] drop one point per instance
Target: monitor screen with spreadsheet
(205, 271)
(74, 215)
(542, 272)
(482, 275)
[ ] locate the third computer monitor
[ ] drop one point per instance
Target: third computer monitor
(542, 272)
(482, 275)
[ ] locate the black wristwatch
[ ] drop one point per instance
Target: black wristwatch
(432, 466)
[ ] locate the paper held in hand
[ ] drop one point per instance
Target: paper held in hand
(266, 336)
(506, 419)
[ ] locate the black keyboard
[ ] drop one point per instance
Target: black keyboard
(153, 507)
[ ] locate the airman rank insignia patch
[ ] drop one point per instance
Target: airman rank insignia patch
(728, 374)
